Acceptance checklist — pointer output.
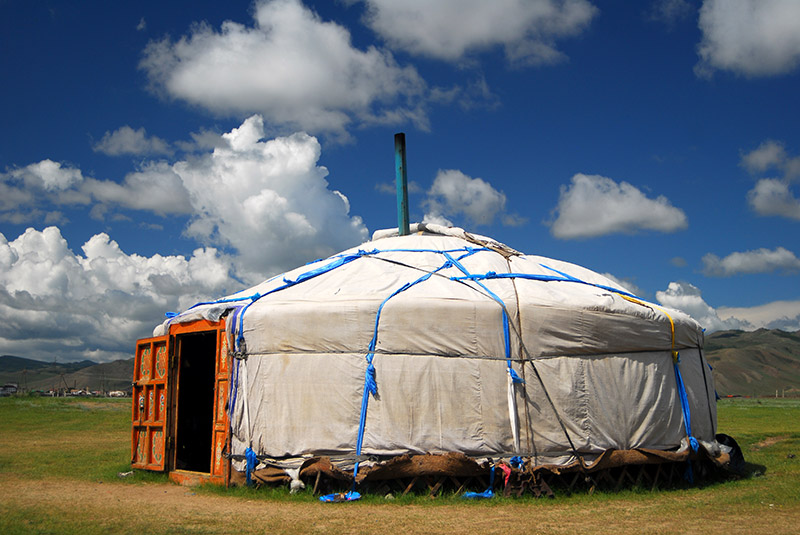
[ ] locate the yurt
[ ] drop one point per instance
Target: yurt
(441, 349)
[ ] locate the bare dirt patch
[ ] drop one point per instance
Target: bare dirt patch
(769, 441)
(95, 507)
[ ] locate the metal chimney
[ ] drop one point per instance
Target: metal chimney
(402, 183)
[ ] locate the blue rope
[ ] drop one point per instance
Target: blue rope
(252, 461)
(370, 383)
(488, 493)
(506, 335)
(687, 417)
(543, 278)
(338, 262)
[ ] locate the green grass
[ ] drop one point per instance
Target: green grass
(84, 443)
(73, 438)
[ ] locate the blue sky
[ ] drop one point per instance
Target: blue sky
(155, 155)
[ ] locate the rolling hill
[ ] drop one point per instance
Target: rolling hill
(755, 363)
(32, 374)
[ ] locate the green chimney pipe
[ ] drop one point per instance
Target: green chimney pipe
(402, 183)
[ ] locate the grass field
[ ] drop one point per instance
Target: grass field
(60, 459)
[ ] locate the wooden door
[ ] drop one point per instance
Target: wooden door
(151, 394)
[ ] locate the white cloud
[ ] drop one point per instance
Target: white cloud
(267, 200)
(771, 154)
(771, 196)
(126, 140)
(594, 206)
(26, 191)
(783, 315)
(154, 187)
(749, 37)
(55, 303)
(201, 141)
(453, 29)
(757, 261)
(454, 194)
(295, 69)
(50, 175)
(688, 299)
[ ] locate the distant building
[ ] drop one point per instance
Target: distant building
(9, 389)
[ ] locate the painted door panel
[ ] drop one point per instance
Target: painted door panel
(150, 399)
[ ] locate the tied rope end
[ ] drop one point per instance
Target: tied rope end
(372, 384)
(515, 378)
(251, 460)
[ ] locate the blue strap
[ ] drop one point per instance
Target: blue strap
(344, 497)
(370, 383)
(506, 335)
(488, 493)
(687, 417)
(252, 461)
(287, 283)
(543, 278)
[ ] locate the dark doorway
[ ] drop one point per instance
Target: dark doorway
(194, 428)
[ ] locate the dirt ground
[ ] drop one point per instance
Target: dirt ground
(62, 506)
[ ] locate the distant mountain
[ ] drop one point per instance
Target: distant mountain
(755, 363)
(10, 363)
(37, 375)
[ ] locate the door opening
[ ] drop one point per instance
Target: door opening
(194, 426)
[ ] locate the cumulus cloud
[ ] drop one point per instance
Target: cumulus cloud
(749, 37)
(757, 261)
(771, 155)
(688, 298)
(26, 192)
(298, 71)
(455, 194)
(155, 187)
(56, 303)
(784, 315)
(126, 140)
(773, 196)
(594, 205)
(450, 30)
(266, 202)
(49, 175)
